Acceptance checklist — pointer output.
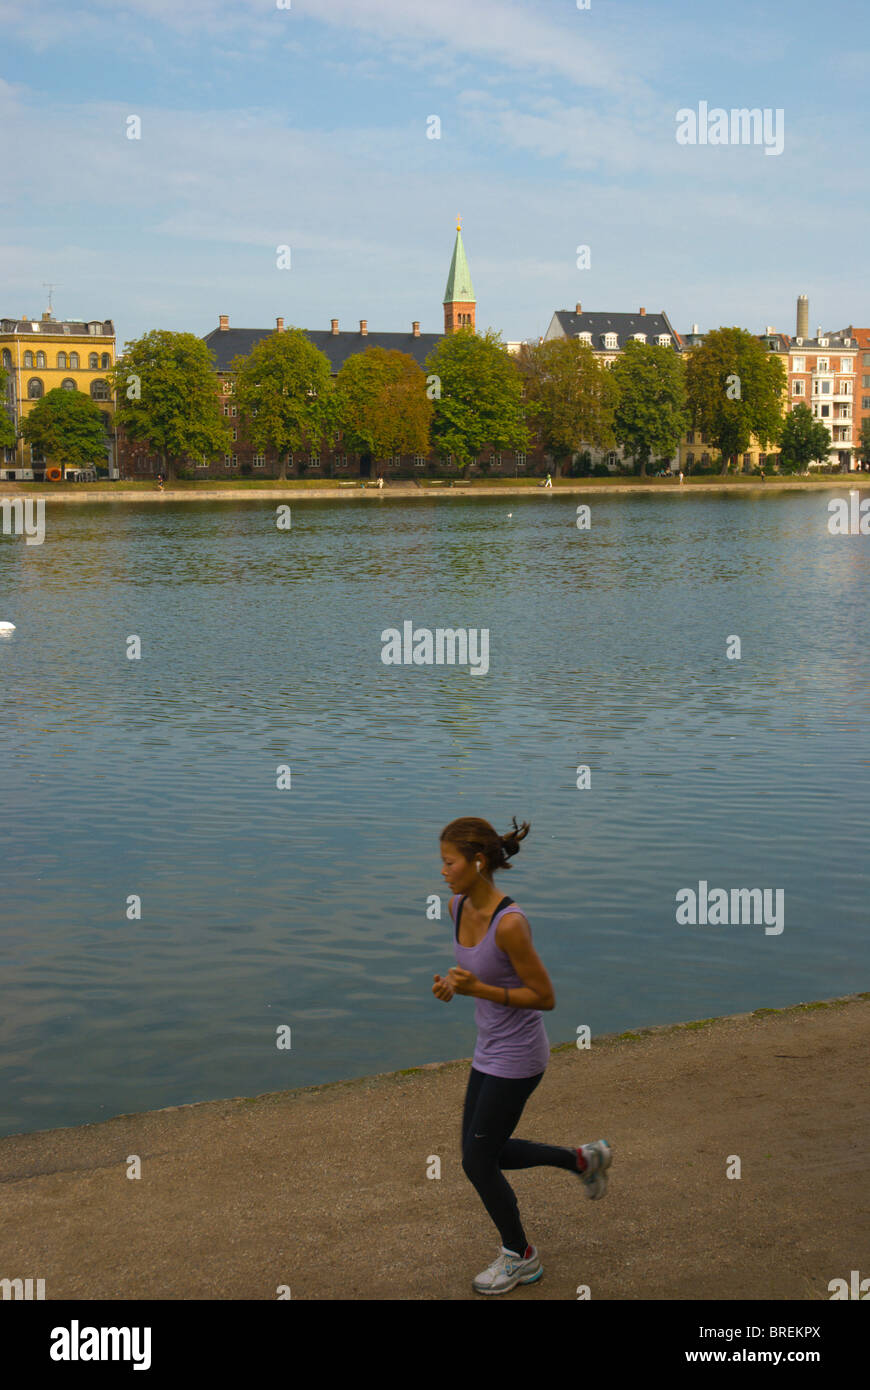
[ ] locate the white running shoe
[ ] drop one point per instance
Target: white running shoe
(598, 1156)
(508, 1270)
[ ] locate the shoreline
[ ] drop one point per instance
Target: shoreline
(325, 1187)
(197, 492)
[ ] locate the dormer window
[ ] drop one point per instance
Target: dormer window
(640, 337)
(585, 338)
(610, 340)
(664, 340)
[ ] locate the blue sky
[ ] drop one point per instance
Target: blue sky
(306, 127)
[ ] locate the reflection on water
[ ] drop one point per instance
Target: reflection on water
(306, 907)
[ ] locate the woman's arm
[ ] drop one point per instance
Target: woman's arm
(515, 938)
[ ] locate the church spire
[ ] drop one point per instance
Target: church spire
(459, 300)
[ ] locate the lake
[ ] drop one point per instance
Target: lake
(306, 906)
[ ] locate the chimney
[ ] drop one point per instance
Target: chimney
(694, 329)
(334, 323)
(279, 325)
(415, 328)
(642, 312)
(46, 318)
(578, 309)
(803, 317)
(224, 323)
(363, 327)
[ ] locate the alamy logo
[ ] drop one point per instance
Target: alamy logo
(715, 908)
(856, 1287)
(18, 518)
(446, 646)
(22, 1288)
(745, 127)
(850, 518)
(102, 1344)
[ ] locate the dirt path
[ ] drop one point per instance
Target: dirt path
(325, 1189)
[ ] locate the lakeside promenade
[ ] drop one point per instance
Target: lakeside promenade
(292, 491)
(324, 1189)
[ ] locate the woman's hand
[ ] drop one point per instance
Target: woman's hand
(442, 989)
(463, 981)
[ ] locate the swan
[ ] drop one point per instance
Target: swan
(7, 627)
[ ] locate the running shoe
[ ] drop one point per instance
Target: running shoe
(508, 1270)
(598, 1156)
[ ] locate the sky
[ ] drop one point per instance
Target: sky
(308, 126)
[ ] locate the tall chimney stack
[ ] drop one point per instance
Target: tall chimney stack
(803, 317)
(363, 327)
(642, 312)
(279, 325)
(578, 309)
(415, 328)
(224, 323)
(334, 323)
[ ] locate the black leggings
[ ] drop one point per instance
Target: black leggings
(493, 1105)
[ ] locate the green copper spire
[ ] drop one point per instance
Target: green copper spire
(459, 288)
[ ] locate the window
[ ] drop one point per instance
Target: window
(227, 460)
(585, 338)
(226, 409)
(845, 364)
(67, 384)
(314, 460)
(28, 359)
(40, 359)
(822, 364)
(865, 382)
(341, 460)
(825, 388)
(227, 388)
(608, 361)
(865, 402)
(74, 361)
(797, 388)
(105, 362)
(798, 364)
(233, 410)
(498, 460)
(259, 460)
(99, 390)
(34, 389)
(520, 458)
(61, 359)
(640, 337)
(610, 340)
(7, 358)
(845, 388)
(866, 359)
(824, 411)
(690, 460)
(664, 340)
(93, 361)
(235, 435)
(419, 460)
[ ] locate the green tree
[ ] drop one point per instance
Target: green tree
(803, 440)
(68, 429)
(478, 396)
(7, 427)
(166, 390)
(735, 390)
(283, 390)
(383, 405)
(568, 397)
(651, 413)
(864, 441)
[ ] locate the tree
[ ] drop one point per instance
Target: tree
(651, 413)
(166, 390)
(864, 441)
(67, 428)
(568, 397)
(478, 396)
(284, 395)
(383, 405)
(735, 390)
(803, 440)
(7, 427)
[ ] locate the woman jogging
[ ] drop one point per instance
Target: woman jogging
(498, 965)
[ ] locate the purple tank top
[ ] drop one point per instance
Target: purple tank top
(510, 1042)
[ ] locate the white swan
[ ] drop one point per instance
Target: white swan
(7, 627)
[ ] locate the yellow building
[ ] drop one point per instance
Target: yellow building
(39, 355)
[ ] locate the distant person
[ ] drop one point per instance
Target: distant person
(681, 475)
(762, 475)
(498, 965)
(160, 482)
(549, 482)
(380, 480)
